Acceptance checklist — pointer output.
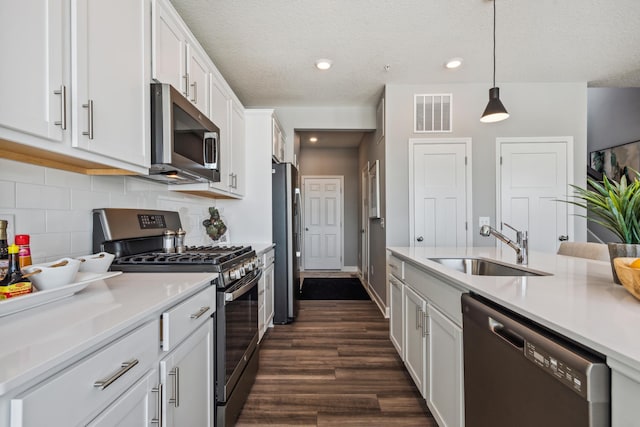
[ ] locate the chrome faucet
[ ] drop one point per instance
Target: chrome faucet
(521, 245)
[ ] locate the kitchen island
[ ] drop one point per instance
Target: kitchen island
(578, 300)
(44, 349)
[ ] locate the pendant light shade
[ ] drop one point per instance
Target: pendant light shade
(495, 111)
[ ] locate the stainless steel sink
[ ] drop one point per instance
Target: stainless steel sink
(485, 267)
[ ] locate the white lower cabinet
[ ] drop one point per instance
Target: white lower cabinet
(268, 295)
(265, 294)
(444, 391)
(73, 396)
(426, 328)
(139, 406)
(396, 322)
(415, 341)
(186, 375)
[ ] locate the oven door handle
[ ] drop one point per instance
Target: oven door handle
(232, 296)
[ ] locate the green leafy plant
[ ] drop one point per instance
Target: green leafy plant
(614, 205)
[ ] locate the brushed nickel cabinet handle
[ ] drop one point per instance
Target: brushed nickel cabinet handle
(124, 368)
(175, 373)
(200, 312)
(186, 85)
(158, 420)
(63, 107)
(425, 323)
(89, 106)
(194, 99)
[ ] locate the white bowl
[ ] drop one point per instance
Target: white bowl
(96, 263)
(53, 274)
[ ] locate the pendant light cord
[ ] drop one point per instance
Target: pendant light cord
(494, 43)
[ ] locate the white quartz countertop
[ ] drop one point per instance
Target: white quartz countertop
(579, 300)
(37, 340)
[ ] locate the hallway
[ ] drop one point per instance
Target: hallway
(334, 366)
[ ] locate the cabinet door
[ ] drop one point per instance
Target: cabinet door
(261, 301)
(111, 58)
(237, 148)
(169, 45)
(139, 406)
(268, 296)
(277, 148)
(187, 378)
(199, 75)
(445, 367)
(220, 116)
(415, 342)
(34, 52)
(396, 315)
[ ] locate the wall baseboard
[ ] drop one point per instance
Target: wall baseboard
(350, 269)
(374, 296)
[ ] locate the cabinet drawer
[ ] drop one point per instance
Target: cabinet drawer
(269, 258)
(444, 295)
(396, 267)
(73, 395)
(184, 318)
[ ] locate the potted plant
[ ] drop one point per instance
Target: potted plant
(615, 206)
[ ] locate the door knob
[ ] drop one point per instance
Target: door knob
(420, 239)
(563, 238)
(306, 229)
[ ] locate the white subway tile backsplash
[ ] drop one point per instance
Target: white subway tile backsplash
(21, 172)
(34, 196)
(60, 178)
(50, 246)
(7, 194)
(112, 184)
(123, 200)
(76, 220)
(80, 243)
(87, 200)
(30, 221)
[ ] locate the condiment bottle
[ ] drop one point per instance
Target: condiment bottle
(24, 250)
(4, 253)
(168, 244)
(180, 240)
(14, 283)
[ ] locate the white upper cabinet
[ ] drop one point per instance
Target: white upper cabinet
(220, 116)
(278, 141)
(111, 79)
(76, 75)
(35, 77)
(238, 149)
(177, 57)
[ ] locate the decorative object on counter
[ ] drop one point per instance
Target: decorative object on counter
(24, 250)
(14, 282)
(615, 206)
(629, 276)
(215, 226)
(54, 274)
(4, 248)
(96, 263)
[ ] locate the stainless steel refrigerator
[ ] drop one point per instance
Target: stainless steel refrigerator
(286, 236)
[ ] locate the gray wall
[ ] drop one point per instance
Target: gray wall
(613, 119)
(536, 110)
(339, 161)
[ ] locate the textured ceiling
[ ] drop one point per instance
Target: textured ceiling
(266, 49)
(331, 139)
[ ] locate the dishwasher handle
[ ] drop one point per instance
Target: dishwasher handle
(506, 334)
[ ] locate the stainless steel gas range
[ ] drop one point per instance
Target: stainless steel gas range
(138, 238)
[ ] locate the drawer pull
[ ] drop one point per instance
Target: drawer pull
(124, 368)
(202, 311)
(158, 419)
(175, 373)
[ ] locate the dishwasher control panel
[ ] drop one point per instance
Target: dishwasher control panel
(560, 369)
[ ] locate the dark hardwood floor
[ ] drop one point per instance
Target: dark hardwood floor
(334, 366)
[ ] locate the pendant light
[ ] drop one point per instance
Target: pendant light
(495, 111)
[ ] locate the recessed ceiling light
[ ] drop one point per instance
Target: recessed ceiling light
(313, 139)
(323, 64)
(453, 63)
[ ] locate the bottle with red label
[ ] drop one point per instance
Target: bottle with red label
(24, 251)
(14, 283)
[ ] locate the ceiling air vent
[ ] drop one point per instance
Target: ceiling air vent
(432, 112)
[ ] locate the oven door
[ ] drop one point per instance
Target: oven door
(237, 331)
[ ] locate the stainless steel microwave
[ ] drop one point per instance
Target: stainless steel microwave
(185, 144)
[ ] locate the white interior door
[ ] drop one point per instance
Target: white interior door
(364, 231)
(322, 223)
(533, 175)
(441, 192)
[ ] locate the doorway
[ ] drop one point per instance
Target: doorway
(322, 222)
(364, 221)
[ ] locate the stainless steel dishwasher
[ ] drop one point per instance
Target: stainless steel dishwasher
(517, 374)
